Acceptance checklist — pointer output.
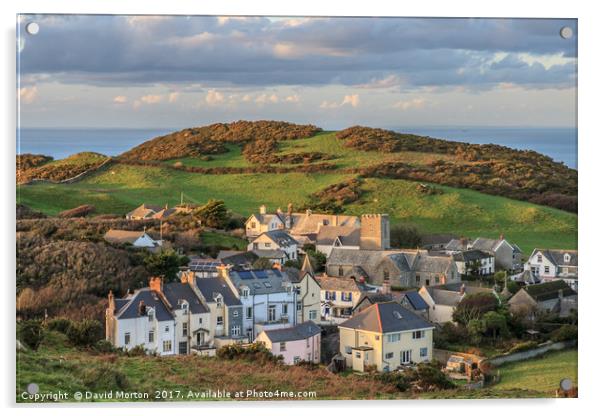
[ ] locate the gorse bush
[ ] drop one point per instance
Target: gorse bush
(564, 333)
(256, 352)
(85, 333)
(31, 333)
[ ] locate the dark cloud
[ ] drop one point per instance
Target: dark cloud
(262, 51)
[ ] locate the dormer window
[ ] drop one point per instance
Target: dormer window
(218, 300)
(567, 258)
(245, 292)
(184, 306)
(151, 314)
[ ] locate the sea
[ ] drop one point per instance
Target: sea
(558, 143)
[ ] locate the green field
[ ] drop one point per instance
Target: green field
(464, 212)
(540, 374)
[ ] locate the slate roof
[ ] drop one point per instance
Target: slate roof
(526, 277)
(415, 300)
(209, 286)
(436, 239)
(145, 210)
(237, 258)
(298, 332)
(486, 244)
(259, 282)
(281, 238)
(307, 224)
(270, 254)
(386, 317)
(458, 245)
(346, 284)
(471, 255)
(164, 213)
(176, 291)
(150, 299)
(123, 236)
(557, 256)
(348, 236)
(549, 290)
(444, 297)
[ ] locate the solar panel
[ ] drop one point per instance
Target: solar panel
(261, 274)
(245, 275)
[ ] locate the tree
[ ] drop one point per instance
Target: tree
(317, 258)
(476, 328)
(262, 263)
(405, 236)
(474, 306)
(31, 333)
(213, 214)
(495, 324)
(165, 263)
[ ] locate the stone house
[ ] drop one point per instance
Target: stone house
(554, 296)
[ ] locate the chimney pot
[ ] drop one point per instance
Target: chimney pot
(141, 308)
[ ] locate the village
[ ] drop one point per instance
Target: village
(329, 289)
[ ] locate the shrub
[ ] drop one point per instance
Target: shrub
(105, 377)
(564, 333)
(396, 379)
(31, 333)
(137, 351)
(104, 346)
(59, 324)
(255, 352)
(405, 236)
(85, 333)
(474, 306)
(523, 346)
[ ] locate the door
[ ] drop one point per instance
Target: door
(406, 357)
(183, 348)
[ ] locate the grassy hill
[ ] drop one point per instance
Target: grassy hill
(459, 210)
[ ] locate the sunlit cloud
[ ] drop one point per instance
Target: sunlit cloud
(28, 95)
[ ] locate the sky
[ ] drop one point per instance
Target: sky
(181, 71)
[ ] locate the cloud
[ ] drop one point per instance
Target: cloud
(352, 100)
(415, 103)
(120, 99)
(265, 98)
(214, 97)
(151, 99)
(28, 95)
(292, 99)
(173, 97)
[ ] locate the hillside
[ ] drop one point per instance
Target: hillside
(469, 201)
(40, 167)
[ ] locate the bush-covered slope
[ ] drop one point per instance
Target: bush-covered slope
(59, 170)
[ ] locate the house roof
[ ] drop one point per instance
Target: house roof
(415, 300)
(458, 244)
(210, 286)
(557, 256)
(237, 258)
(471, 255)
(145, 210)
(444, 297)
(151, 299)
(280, 237)
(123, 236)
(346, 284)
(265, 219)
(348, 236)
(526, 277)
(307, 223)
(270, 254)
(164, 213)
(260, 282)
(486, 244)
(177, 291)
(298, 332)
(549, 290)
(434, 239)
(386, 317)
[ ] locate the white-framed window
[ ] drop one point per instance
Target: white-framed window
(285, 308)
(313, 315)
(268, 244)
(235, 331)
(127, 339)
(406, 357)
(283, 346)
(546, 269)
(417, 334)
(272, 313)
(185, 329)
(166, 346)
(245, 292)
(151, 337)
(347, 349)
(539, 258)
(166, 328)
(220, 320)
(389, 355)
(299, 306)
(393, 337)
(567, 257)
(424, 352)
(235, 314)
(151, 314)
(296, 359)
(249, 313)
(185, 307)
(200, 320)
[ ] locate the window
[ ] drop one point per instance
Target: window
(183, 348)
(296, 359)
(283, 346)
(127, 338)
(185, 329)
(312, 315)
(418, 279)
(347, 349)
(255, 246)
(406, 357)
(200, 320)
(424, 352)
(546, 269)
(249, 314)
(539, 258)
(218, 301)
(166, 346)
(245, 292)
(151, 337)
(253, 224)
(185, 307)
(166, 328)
(151, 315)
(330, 295)
(299, 306)
(393, 337)
(418, 334)
(389, 355)
(358, 355)
(284, 308)
(567, 257)
(235, 331)
(377, 337)
(220, 320)
(427, 282)
(386, 274)
(341, 273)
(272, 313)
(235, 314)
(437, 280)
(267, 284)
(268, 244)
(346, 296)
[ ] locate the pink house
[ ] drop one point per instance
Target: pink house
(297, 343)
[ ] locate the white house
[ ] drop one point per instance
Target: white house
(338, 296)
(548, 265)
(508, 256)
(138, 239)
(297, 343)
(475, 261)
(276, 241)
(268, 298)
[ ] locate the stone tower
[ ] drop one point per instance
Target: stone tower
(375, 232)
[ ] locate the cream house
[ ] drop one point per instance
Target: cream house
(295, 344)
(338, 297)
(385, 336)
(308, 292)
(277, 245)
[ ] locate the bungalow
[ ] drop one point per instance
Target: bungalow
(295, 344)
(338, 296)
(401, 268)
(475, 262)
(331, 236)
(277, 245)
(554, 296)
(385, 336)
(138, 239)
(549, 265)
(148, 212)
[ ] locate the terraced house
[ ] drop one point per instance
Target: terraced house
(548, 265)
(338, 296)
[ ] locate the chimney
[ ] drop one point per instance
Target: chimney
(141, 308)
(156, 284)
(279, 211)
(462, 289)
(501, 237)
(277, 266)
(308, 212)
(290, 208)
(187, 277)
(111, 301)
(386, 289)
(223, 270)
(464, 243)
(262, 209)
